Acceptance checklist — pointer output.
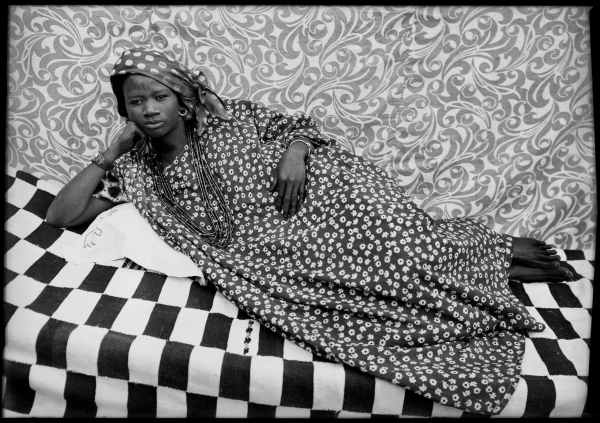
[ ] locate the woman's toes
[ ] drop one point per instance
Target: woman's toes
(556, 279)
(529, 274)
(549, 258)
(543, 263)
(565, 273)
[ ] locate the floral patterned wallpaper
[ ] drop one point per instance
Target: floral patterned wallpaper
(483, 112)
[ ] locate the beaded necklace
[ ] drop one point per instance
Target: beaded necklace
(210, 194)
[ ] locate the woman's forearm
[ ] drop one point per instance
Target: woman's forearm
(73, 199)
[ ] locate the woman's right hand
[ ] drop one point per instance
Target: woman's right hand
(131, 137)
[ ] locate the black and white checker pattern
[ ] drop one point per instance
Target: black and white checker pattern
(117, 341)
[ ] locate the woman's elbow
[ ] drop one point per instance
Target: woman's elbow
(53, 218)
(57, 215)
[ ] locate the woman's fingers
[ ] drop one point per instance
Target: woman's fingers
(290, 198)
(296, 198)
(274, 185)
(138, 138)
(294, 201)
(129, 137)
(280, 195)
(287, 199)
(301, 196)
(137, 134)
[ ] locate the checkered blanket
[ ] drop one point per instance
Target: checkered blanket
(96, 340)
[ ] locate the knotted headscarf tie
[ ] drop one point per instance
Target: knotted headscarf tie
(192, 86)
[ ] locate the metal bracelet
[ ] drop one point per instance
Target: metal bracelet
(101, 161)
(305, 142)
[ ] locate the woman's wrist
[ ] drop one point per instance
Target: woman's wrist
(301, 147)
(112, 153)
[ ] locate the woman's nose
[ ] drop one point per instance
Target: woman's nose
(150, 109)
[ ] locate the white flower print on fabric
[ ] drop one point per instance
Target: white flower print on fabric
(360, 275)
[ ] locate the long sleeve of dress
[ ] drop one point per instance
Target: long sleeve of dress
(275, 126)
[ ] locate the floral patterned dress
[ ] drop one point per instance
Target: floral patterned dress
(360, 275)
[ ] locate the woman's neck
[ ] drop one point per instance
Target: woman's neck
(171, 144)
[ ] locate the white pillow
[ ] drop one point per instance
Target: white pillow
(121, 232)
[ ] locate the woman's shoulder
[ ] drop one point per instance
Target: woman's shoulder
(238, 103)
(240, 108)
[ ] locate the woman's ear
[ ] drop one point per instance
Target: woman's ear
(185, 113)
(184, 110)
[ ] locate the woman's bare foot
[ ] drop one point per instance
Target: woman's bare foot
(531, 274)
(533, 253)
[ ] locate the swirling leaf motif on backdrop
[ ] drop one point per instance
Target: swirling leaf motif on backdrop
(343, 65)
(494, 120)
(497, 120)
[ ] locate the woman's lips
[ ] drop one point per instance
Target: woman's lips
(154, 124)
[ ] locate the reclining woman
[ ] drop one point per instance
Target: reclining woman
(317, 244)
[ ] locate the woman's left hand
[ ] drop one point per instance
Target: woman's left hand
(290, 180)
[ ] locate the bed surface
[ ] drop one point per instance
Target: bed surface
(96, 340)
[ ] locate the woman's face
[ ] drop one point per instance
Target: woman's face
(151, 105)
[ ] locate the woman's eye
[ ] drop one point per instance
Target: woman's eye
(161, 97)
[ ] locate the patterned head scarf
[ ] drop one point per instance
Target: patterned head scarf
(198, 98)
(192, 87)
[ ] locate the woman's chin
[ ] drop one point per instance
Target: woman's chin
(158, 132)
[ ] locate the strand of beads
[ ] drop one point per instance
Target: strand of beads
(218, 210)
